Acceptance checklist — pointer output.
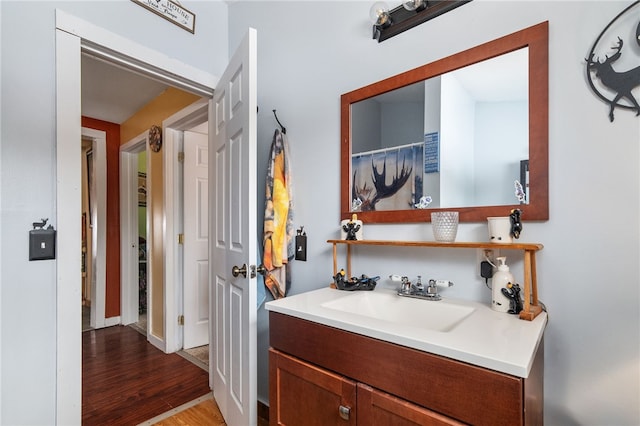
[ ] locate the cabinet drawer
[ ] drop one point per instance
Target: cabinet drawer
(380, 408)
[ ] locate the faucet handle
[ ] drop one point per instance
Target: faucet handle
(432, 288)
(440, 283)
(405, 287)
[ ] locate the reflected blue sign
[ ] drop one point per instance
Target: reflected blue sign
(432, 152)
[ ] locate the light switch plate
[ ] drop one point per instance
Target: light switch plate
(301, 247)
(42, 244)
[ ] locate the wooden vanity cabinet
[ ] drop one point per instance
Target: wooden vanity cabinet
(316, 369)
(305, 394)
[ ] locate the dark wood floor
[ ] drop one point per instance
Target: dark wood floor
(126, 380)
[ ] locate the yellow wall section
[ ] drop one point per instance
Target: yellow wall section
(168, 103)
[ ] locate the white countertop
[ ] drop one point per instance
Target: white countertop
(485, 338)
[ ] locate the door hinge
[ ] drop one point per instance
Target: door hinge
(180, 319)
(181, 157)
(180, 238)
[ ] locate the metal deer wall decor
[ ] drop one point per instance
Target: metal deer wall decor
(611, 85)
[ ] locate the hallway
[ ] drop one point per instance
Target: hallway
(126, 380)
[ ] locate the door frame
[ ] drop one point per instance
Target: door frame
(129, 255)
(98, 229)
(73, 36)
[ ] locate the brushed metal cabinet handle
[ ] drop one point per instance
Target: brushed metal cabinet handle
(344, 412)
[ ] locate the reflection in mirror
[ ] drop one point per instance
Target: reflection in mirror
(460, 138)
(468, 131)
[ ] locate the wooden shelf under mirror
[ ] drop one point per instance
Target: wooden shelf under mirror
(531, 308)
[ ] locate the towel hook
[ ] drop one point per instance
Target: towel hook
(284, 130)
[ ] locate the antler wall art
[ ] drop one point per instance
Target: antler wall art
(609, 84)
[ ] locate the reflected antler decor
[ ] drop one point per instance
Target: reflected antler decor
(379, 181)
(382, 190)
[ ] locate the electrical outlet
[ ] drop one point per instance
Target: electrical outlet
(488, 255)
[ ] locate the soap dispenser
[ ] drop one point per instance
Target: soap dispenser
(500, 280)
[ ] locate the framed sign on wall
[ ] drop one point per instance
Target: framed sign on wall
(172, 12)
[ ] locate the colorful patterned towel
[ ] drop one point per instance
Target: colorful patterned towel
(279, 246)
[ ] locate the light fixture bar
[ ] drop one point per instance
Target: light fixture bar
(403, 19)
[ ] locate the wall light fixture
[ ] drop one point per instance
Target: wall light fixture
(388, 23)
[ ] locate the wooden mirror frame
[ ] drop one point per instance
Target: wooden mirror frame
(536, 38)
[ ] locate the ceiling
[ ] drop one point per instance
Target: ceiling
(113, 94)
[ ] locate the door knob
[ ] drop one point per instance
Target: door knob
(235, 271)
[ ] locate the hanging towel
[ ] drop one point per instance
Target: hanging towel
(278, 243)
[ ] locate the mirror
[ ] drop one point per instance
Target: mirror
(407, 136)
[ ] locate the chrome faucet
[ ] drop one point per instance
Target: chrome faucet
(419, 291)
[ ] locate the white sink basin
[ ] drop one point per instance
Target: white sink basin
(432, 315)
(467, 331)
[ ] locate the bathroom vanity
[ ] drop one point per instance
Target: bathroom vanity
(375, 358)
(372, 357)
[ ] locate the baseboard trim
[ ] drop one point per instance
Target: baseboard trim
(111, 321)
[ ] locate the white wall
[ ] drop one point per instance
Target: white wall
(588, 274)
(497, 158)
(457, 145)
(28, 175)
(311, 52)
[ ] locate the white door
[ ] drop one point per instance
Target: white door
(196, 237)
(233, 241)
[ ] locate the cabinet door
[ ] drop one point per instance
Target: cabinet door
(304, 394)
(379, 408)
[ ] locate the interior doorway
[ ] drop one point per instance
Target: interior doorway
(187, 294)
(143, 237)
(173, 130)
(87, 253)
(73, 36)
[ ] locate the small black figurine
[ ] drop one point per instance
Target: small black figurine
(516, 224)
(351, 228)
(41, 224)
(512, 292)
(353, 283)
